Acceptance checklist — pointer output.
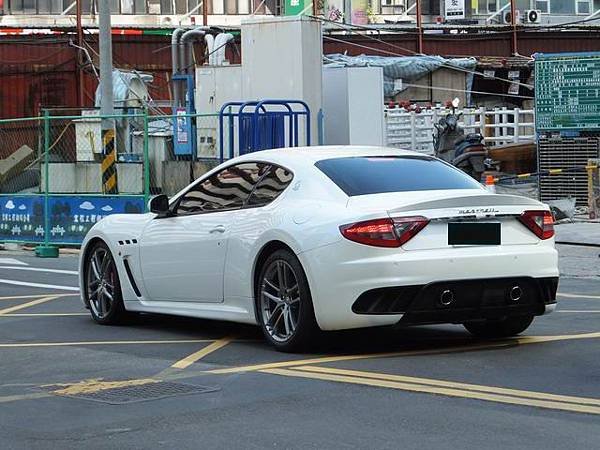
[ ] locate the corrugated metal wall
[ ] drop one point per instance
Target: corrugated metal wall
(41, 71)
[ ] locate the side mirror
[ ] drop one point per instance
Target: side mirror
(159, 205)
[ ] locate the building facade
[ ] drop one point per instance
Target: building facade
(231, 12)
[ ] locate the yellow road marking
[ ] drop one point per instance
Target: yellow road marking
(453, 384)
(565, 337)
(512, 342)
(196, 356)
(328, 359)
(90, 386)
(560, 294)
(572, 407)
(43, 314)
(18, 297)
(27, 305)
(17, 397)
(67, 344)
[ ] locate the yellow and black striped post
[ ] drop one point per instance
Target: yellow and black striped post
(109, 162)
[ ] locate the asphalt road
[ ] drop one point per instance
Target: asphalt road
(427, 387)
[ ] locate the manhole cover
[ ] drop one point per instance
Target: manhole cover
(134, 393)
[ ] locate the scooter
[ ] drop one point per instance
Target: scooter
(468, 153)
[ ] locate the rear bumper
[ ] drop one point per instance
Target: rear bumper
(464, 300)
(340, 273)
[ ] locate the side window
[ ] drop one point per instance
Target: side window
(269, 188)
(227, 189)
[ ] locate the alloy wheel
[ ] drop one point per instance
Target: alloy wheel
(101, 282)
(280, 301)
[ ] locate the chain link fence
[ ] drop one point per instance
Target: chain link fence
(55, 170)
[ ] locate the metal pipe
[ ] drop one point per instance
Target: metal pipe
(106, 65)
(175, 62)
(186, 46)
(209, 39)
(220, 49)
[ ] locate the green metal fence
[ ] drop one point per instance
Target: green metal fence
(51, 167)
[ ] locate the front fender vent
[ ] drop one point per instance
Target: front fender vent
(131, 279)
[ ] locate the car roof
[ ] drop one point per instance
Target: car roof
(311, 155)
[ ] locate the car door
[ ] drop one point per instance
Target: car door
(183, 256)
(249, 223)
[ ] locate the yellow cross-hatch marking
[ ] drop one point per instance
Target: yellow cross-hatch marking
(43, 314)
(560, 294)
(582, 405)
(68, 344)
(506, 343)
(19, 297)
(91, 386)
(196, 356)
(27, 305)
(329, 359)
(452, 384)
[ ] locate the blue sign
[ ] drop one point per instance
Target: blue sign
(22, 218)
(69, 217)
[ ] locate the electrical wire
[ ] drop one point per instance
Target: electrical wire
(439, 88)
(412, 52)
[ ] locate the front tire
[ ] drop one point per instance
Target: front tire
(284, 304)
(509, 326)
(102, 286)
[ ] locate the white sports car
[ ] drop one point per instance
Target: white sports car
(328, 238)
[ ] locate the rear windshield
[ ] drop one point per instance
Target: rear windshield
(374, 175)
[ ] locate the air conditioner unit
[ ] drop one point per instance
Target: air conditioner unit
(506, 17)
(532, 16)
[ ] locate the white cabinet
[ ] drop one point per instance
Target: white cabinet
(353, 106)
(215, 86)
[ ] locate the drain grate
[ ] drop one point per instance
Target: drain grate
(137, 393)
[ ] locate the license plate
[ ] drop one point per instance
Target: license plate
(473, 233)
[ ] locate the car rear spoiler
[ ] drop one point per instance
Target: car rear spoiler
(467, 201)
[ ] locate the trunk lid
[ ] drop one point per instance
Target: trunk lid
(457, 206)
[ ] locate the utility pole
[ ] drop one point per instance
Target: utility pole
(513, 24)
(419, 27)
(80, 92)
(109, 151)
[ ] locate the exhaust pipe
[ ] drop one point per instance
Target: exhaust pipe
(516, 293)
(446, 298)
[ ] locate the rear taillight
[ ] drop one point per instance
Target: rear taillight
(384, 232)
(541, 223)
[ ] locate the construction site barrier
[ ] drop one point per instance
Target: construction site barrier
(56, 181)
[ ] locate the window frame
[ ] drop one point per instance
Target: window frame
(590, 7)
(176, 201)
(271, 166)
(416, 157)
(547, 2)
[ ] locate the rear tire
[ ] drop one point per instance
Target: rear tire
(102, 286)
(509, 326)
(284, 304)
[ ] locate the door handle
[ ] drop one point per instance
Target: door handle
(218, 229)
